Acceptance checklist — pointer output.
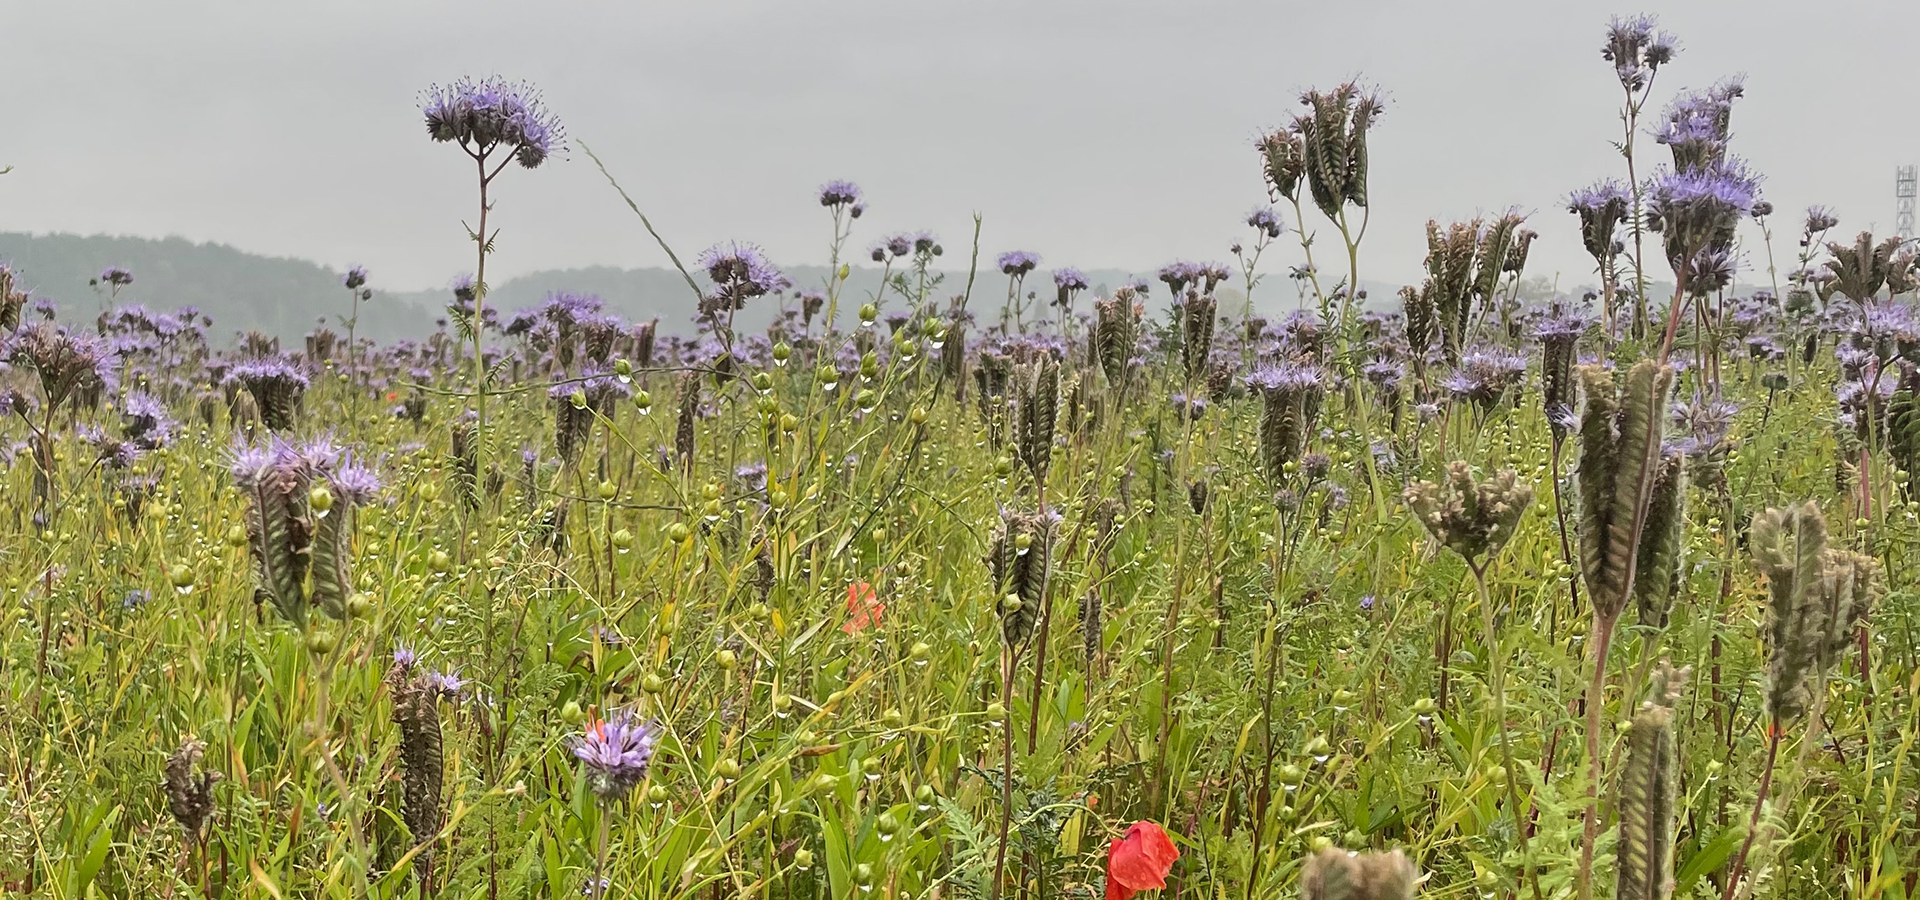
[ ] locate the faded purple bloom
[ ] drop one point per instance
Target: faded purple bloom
(404, 656)
(355, 277)
(1264, 219)
(492, 113)
(1366, 603)
(1820, 218)
(616, 753)
(114, 276)
(1637, 49)
(1069, 279)
(839, 193)
(1017, 262)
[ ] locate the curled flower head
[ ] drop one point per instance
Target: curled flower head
(1265, 220)
(1637, 48)
(839, 193)
(115, 276)
(1820, 218)
(355, 277)
(493, 113)
(1017, 262)
(616, 753)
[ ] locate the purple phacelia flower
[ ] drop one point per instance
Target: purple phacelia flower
(1265, 220)
(355, 278)
(354, 483)
(617, 753)
(1288, 376)
(1017, 262)
(493, 113)
(839, 193)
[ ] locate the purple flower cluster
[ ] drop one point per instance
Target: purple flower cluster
(1637, 49)
(493, 113)
(617, 753)
(838, 193)
(1017, 262)
(1266, 221)
(1288, 376)
(1181, 274)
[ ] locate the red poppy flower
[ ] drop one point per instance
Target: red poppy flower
(863, 608)
(1139, 861)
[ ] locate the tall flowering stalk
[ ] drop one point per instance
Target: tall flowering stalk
(1620, 438)
(616, 753)
(1475, 518)
(1637, 49)
(495, 122)
(1817, 597)
(70, 365)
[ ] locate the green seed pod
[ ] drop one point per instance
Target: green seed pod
(321, 642)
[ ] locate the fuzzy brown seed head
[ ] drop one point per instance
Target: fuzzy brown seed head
(190, 798)
(1335, 874)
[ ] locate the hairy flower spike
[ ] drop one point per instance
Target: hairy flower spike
(1196, 332)
(1649, 789)
(190, 799)
(1334, 135)
(1662, 537)
(1818, 596)
(1021, 558)
(416, 710)
(1037, 413)
(1290, 395)
(493, 113)
(1116, 334)
(1619, 442)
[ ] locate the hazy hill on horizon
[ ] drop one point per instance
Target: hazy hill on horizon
(287, 296)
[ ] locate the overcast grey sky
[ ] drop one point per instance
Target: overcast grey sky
(1113, 133)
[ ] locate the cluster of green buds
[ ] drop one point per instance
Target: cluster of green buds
(1818, 596)
(1471, 517)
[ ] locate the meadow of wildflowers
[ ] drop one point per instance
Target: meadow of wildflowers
(1004, 586)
